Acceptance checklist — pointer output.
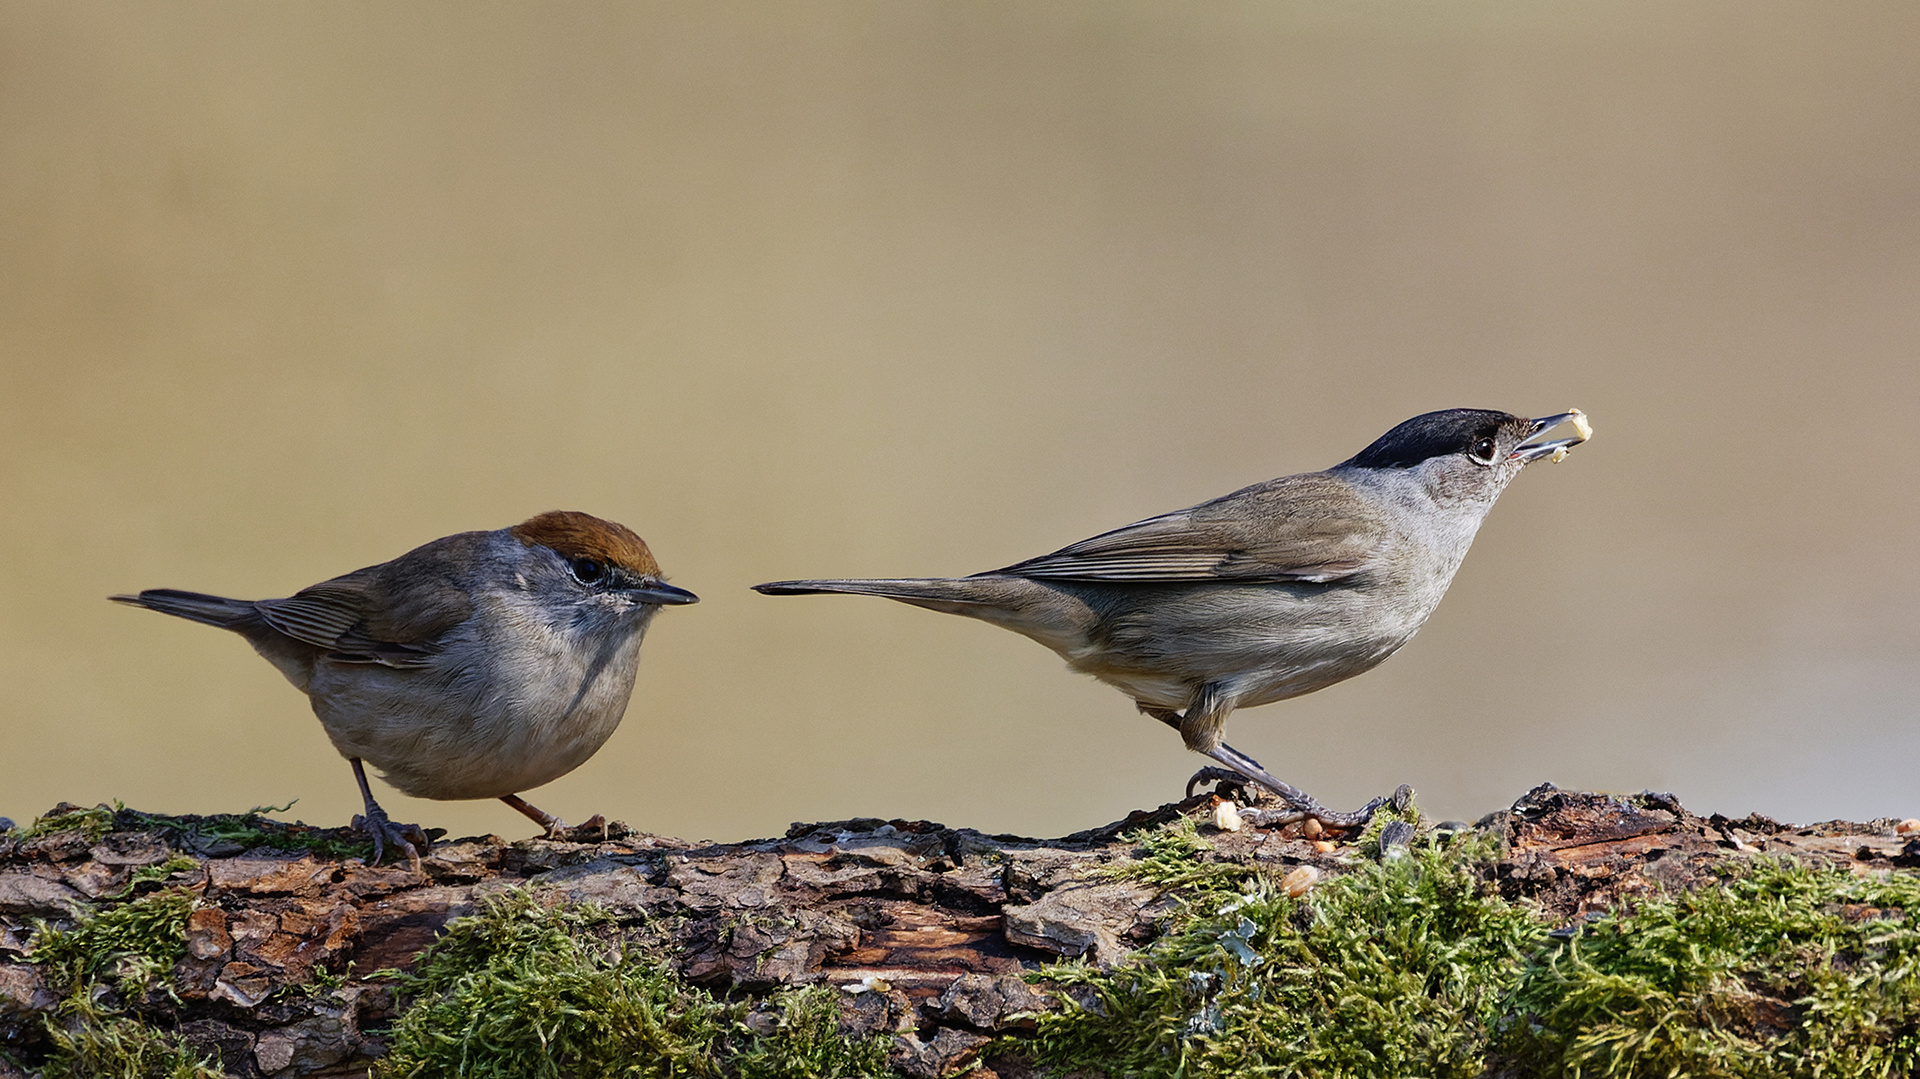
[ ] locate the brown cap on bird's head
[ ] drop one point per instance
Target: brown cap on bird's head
(582, 535)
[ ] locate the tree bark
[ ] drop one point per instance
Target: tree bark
(926, 930)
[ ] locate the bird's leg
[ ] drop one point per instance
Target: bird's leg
(1204, 719)
(551, 824)
(555, 827)
(408, 838)
(1300, 804)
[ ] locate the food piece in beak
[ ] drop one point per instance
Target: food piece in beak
(1557, 449)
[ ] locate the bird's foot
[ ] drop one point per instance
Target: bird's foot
(1310, 810)
(1400, 800)
(1243, 770)
(1299, 804)
(1226, 779)
(584, 830)
(408, 839)
(554, 826)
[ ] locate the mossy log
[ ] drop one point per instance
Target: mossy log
(927, 935)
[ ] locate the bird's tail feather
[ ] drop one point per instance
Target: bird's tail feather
(1034, 608)
(943, 589)
(193, 606)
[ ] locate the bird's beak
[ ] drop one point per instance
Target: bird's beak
(1558, 448)
(659, 592)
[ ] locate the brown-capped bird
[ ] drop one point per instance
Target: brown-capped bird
(479, 665)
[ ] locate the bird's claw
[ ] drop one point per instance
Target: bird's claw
(1300, 805)
(1224, 777)
(1308, 809)
(562, 830)
(1357, 819)
(408, 839)
(1296, 810)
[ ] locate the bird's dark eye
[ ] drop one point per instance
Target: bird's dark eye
(587, 571)
(1483, 451)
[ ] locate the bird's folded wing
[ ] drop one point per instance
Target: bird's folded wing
(319, 616)
(342, 617)
(1296, 528)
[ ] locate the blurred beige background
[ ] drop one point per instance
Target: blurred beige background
(900, 288)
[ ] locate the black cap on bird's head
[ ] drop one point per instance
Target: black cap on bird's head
(1484, 435)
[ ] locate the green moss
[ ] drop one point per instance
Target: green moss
(128, 949)
(525, 990)
(149, 874)
(95, 1042)
(1393, 970)
(1415, 968)
(1783, 971)
(249, 830)
(90, 823)
(1174, 856)
(132, 946)
(806, 1042)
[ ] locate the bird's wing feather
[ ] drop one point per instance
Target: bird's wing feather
(346, 617)
(319, 616)
(1310, 527)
